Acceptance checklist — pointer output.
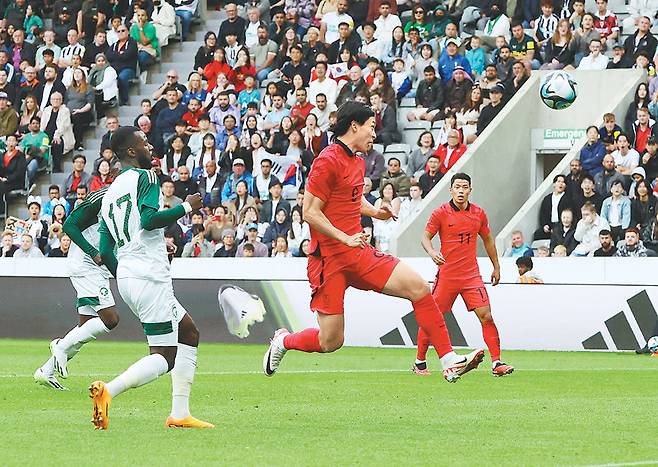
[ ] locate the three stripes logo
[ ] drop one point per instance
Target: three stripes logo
(394, 337)
(620, 329)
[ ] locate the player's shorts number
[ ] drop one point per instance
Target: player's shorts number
(125, 199)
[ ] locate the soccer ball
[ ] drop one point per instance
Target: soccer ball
(652, 344)
(558, 90)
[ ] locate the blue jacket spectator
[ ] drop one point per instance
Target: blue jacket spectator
(239, 173)
(623, 217)
(449, 60)
(591, 155)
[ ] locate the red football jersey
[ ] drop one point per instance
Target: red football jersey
(337, 179)
(458, 232)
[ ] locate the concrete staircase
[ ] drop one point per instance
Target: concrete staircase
(177, 55)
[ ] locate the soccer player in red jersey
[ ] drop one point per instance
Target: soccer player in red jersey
(342, 258)
(458, 223)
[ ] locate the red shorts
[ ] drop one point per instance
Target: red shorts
(330, 276)
(472, 291)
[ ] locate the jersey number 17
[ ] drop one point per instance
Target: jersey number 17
(118, 210)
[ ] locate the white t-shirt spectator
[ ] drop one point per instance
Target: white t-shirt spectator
(251, 34)
(630, 160)
(332, 20)
(328, 87)
(385, 27)
(589, 62)
(323, 115)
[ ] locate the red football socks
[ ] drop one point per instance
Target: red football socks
(307, 340)
(490, 334)
(431, 321)
(423, 345)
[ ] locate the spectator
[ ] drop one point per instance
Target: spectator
(582, 37)
(489, 80)
(274, 203)
(54, 200)
(198, 247)
(301, 110)
(518, 78)
(56, 123)
(21, 50)
(144, 33)
(228, 248)
(323, 111)
(104, 81)
(610, 129)
(551, 208)
(595, 60)
(524, 47)
(562, 233)
(476, 56)
(13, 167)
(260, 188)
(518, 247)
(233, 25)
(429, 97)
(575, 176)
(606, 24)
(279, 227)
(185, 10)
(386, 121)
(260, 249)
(112, 125)
(641, 39)
(8, 116)
(122, 55)
(587, 230)
(330, 23)
(450, 60)
(49, 44)
(557, 51)
(177, 155)
(223, 107)
(643, 208)
(396, 176)
(467, 117)
(163, 18)
(632, 246)
(431, 177)
(48, 87)
(35, 145)
(450, 152)
(374, 162)
(411, 205)
(27, 87)
(102, 178)
(8, 247)
(591, 155)
(98, 46)
(626, 158)
(299, 231)
(170, 115)
(587, 194)
(63, 250)
(546, 24)
(526, 274)
(229, 191)
(619, 59)
(616, 210)
(27, 249)
(400, 80)
(170, 200)
(356, 85)
(418, 158)
(642, 129)
(76, 178)
(650, 159)
(603, 180)
(263, 53)
(607, 246)
(80, 100)
(184, 185)
(491, 110)
(210, 186)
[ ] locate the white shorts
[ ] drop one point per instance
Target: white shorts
(94, 294)
(156, 308)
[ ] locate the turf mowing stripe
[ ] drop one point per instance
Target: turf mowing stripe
(623, 464)
(257, 372)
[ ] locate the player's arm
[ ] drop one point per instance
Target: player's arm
(426, 242)
(106, 247)
(383, 213)
(83, 216)
(317, 220)
(492, 252)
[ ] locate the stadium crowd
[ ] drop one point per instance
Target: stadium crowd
(243, 126)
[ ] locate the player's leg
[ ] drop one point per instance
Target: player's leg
(150, 303)
(444, 296)
(492, 339)
(328, 284)
(404, 282)
(182, 376)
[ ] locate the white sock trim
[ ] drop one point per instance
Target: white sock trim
(141, 372)
(182, 377)
(80, 335)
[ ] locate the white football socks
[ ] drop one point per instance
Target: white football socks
(182, 376)
(72, 342)
(138, 374)
(48, 368)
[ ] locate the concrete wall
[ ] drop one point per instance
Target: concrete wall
(500, 160)
(527, 217)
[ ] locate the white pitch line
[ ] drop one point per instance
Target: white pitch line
(624, 464)
(356, 371)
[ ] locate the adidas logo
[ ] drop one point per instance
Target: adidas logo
(620, 329)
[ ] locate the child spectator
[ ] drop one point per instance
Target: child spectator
(476, 56)
(518, 248)
(400, 80)
(526, 274)
(560, 251)
(546, 24)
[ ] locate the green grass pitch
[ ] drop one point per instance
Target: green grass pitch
(355, 407)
